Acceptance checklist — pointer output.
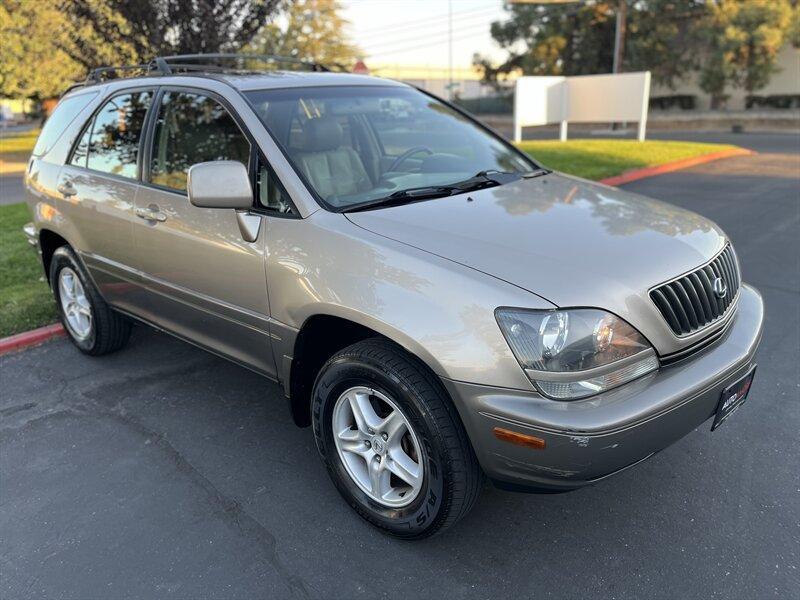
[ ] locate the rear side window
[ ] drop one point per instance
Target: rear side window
(190, 129)
(110, 143)
(62, 116)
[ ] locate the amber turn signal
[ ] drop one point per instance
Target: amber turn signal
(520, 439)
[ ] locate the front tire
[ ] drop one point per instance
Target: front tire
(392, 440)
(89, 322)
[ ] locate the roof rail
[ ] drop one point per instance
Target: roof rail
(102, 74)
(200, 61)
(196, 63)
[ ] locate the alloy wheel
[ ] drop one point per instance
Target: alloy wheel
(378, 446)
(74, 304)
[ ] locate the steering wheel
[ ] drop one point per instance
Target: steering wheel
(406, 155)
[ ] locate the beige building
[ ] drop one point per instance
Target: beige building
(467, 84)
(785, 82)
(466, 81)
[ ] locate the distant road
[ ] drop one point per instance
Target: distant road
(767, 141)
(11, 190)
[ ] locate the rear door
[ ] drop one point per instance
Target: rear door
(99, 183)
(204, 281)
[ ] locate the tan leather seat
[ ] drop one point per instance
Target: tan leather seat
(332, 168)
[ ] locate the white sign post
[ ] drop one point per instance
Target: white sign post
(582, 99)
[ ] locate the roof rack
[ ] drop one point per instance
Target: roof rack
(187, 61)
(197, 63)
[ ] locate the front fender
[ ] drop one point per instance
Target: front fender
(440, 311)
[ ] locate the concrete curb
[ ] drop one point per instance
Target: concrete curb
(30, 338)
(636, 174)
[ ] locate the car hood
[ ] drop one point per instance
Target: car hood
(568, 240)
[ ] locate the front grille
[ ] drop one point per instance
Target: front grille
(690, 303)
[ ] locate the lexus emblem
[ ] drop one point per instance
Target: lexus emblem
(719, 287)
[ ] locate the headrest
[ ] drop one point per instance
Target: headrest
(322, 134)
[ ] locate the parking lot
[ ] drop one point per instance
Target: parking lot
(163, 471)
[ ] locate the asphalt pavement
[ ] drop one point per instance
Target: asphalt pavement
(165, 472)
(12, 189)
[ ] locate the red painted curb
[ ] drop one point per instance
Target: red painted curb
(676, 165)
(30, 338)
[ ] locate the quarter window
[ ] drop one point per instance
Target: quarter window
(110, 143)
(64, 114)
(191, 129)
(271, 193)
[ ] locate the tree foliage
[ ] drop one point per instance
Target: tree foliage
(47, 44)
(730, 42)
(742, 41)
(189, 26)
(44, 46)
(578, 39)
(307, 29)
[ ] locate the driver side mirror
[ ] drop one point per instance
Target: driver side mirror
(225, 184)
(220, 184)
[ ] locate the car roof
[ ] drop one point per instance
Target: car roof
(246, 81)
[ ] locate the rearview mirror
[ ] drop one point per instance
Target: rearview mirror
(220, 184)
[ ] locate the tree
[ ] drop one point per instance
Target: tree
(182, 26)
(44, 46)
(553, 40)
(743, 38)
(794, 24)
(47, 44)
(307, 29)
(578, 39)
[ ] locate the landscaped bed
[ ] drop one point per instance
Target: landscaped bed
(598, 159)
(25, 300)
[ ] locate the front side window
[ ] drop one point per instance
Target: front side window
(110, 144)
(191, 129)
(358, 144)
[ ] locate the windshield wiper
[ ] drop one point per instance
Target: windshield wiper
(481, 179)
(506, 176)
(403, 197)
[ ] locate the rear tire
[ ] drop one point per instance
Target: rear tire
(390, 386)
(90, 323)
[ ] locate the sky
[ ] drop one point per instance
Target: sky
(415, 32)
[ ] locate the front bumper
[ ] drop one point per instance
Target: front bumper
(587, 440)
(31, 234)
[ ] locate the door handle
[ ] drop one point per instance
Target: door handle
(151, 214)
(66, 189)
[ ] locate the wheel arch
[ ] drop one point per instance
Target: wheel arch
(49, 242)
(324, 334)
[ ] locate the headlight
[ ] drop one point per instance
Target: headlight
(575, 353)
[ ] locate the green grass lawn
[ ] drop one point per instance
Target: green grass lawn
(598, 159)
(16, 147)
(25, 300)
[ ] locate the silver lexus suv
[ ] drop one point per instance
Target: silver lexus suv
(439, 307)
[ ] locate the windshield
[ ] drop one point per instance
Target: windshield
(354, 145)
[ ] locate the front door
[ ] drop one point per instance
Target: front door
(204, 281)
